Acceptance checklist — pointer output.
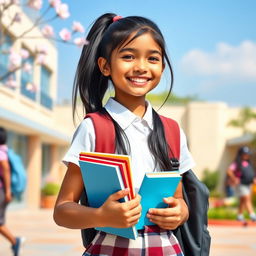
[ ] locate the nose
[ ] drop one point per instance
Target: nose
(140, 66)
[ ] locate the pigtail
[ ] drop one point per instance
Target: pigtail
(89, 81)
(158, 146)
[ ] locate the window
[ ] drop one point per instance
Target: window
(28, 87)
(4, 55)
(19, 143)
(46, 161)
(45, 98)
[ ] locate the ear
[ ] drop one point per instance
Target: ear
(104, 66)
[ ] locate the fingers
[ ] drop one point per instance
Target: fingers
(167, 218)
(171, 201)
(120, 194)
(134, 220)
(170, 222)
(134, 202)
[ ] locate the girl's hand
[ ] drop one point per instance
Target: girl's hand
(172, 217)
(8, 197)
(120, 215)
(236, 181)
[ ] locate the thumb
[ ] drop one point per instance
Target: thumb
(120, 194)
(171, 201)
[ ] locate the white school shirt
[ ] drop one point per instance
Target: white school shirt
(137, 130)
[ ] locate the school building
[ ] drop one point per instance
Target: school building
(27, 106)
(40, 131)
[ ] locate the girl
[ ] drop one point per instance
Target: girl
(6, 194)
(242, 175)
(130, 53)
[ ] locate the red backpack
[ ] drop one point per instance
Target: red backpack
(103, 125)
(193, 235)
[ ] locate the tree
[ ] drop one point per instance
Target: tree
(11, 14)
(244, 119)
(173, 99)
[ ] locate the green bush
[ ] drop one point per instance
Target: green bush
(50, 189)
(254, 200)
(222, 213)
(211, 179)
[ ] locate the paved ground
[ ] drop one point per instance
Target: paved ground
(44, 238)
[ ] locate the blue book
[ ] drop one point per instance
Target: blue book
(100, 181)
(155, 186)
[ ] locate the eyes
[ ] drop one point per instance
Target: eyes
(131, 57)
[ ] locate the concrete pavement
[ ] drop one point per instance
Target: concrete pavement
(44, 238)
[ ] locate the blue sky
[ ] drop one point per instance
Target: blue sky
(212, 44)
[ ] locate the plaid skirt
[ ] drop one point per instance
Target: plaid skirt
(151, 241)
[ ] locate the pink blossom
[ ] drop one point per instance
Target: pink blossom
(14, 61)
(27, 67)
(65, 34)
(11, 83)
(31, 87)
(77, 27)
(40, 59)
(24, 53)
(48, 31)
(35, 4)
(62, 11)
(54, 3)
(79, 41)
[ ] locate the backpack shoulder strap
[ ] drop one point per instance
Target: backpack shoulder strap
(103, 125)
(104, 132)
(172, 135)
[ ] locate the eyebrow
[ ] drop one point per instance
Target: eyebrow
(134, 50)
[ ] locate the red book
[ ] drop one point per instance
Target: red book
(122, 161)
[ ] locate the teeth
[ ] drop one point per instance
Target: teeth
(139, 80)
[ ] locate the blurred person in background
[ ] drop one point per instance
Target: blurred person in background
(242, 175)
(5, 194)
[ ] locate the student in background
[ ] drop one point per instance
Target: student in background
(129, 53)
(242, 175)
(5, 194)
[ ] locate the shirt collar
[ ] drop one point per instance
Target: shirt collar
(124, 117)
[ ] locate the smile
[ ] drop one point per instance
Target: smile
(139, 80)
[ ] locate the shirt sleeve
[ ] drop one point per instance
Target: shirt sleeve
(3, 156)
(186, 159)
(232, 167)
(83, 140)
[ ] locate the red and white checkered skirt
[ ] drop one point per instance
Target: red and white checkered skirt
(152, 241)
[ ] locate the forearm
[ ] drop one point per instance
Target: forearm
(6, 178)
(75, 216)
(184, 211)
(232, 176)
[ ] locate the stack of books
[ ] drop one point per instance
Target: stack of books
(104, 174)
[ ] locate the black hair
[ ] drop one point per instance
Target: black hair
(239, 156)
(3, 136)
(104, 37)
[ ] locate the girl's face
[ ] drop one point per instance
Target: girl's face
(245, 157)
(135, 68)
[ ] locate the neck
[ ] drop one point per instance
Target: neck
(136, 105)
